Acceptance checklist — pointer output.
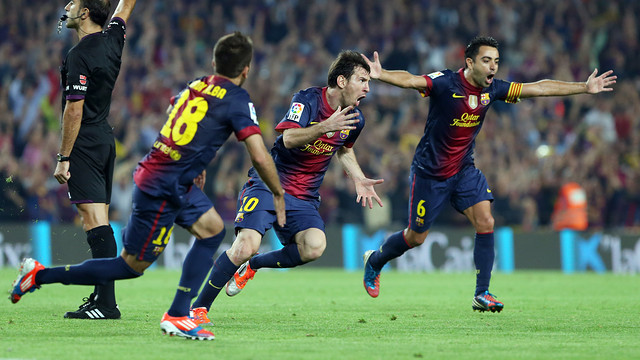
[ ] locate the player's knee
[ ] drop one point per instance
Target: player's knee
(414, 239)
(213, 242)
(243, 248)
(136, 267)
(311, 253)
(208, 225)
(484, 224)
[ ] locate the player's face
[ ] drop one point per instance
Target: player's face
(485, 66)
(356, 88)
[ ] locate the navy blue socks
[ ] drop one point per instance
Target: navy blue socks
(195, 269)
(394, 246)
(90, 272)
(222, 272)
(287, 257)
(483, 256)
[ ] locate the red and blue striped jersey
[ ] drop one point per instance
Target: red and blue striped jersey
(203, 117)
(456, 114)
(302, 169)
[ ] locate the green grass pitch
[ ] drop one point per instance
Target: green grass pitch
(311, 313)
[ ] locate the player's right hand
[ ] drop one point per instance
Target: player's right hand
(279, 206)
(340, 120)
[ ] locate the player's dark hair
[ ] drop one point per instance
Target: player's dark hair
(474, 46)
(98, 10)
(345, 65)
(232, 53)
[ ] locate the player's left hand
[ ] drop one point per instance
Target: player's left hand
(200, 179)
(366, 192)
(596, 84)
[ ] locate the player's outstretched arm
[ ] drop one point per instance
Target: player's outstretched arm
(263, 163)
(340, 120)
(364, 186)
(398, 78)
(594, 84)
(124, 9)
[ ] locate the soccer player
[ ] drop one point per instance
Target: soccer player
(443, 168)
(203, 116)
(87, 150)
(321, 122)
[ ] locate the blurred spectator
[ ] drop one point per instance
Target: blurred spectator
(544, 143)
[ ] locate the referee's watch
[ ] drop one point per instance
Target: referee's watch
(61, 157)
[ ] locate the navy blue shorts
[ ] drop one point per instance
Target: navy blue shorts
(255, 211)
(152, 219)
(463, 190)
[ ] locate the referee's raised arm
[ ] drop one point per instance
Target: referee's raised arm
(124, 9)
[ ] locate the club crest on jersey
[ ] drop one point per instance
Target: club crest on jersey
(83, 80)
(344, 134)
(239, 217)
(158, 250)
(484, 99)
(295, 112)
(473, 101)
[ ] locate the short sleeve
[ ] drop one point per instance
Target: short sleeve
(78, 76)
(299, 114)
(509, 92)
(244, 119)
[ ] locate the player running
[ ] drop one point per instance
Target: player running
(203, 117)
(321, 122)
(443, 168)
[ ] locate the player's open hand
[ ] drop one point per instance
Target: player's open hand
(62, 173)
(366, 193)
(340, 120)
(596, 84)
(375, 66)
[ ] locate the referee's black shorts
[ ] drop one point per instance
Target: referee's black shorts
(91, 165)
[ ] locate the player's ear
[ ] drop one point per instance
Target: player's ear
(245, 71)
(341, 81)
(468, 62)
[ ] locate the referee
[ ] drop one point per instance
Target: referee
(87, 152)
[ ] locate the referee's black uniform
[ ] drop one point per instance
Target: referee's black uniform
(89, 72)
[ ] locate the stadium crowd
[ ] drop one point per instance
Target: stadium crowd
(526, 151)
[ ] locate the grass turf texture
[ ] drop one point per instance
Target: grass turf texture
(325, 314)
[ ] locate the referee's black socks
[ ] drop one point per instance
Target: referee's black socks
(103, 245)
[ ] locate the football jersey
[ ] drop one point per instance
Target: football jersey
(456, 113)
(302, 169)
(90, 70)
(203, 117)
